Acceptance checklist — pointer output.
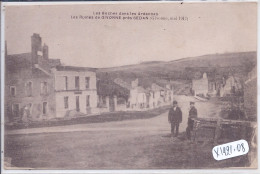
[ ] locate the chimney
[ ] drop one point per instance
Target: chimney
(45, 52)
(36, 42)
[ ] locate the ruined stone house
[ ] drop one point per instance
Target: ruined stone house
(156, 96)
(29, 83)
(111, 96)
(137, 94)
(231, 86)
(201, 86)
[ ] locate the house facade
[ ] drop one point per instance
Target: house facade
(138, 98)
(160, 96)
(29, 87)
(200, 86)
(75, 90)
(156, 98)
(231, 86)
(111, 96)
(137, 94)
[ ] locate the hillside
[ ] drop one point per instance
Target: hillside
(183, 70)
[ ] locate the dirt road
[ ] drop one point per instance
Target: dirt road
(130, 144)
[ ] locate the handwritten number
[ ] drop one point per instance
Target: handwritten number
(216, 152)
(243, 148)
(239, 147)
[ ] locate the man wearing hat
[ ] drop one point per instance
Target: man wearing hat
(192, 114)
(175, 118)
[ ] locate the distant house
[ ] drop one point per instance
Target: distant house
(159, 96)
(216, 84)
(231, 85)
(156, 95)
(111, 96)
(137, 98)
(212, 88)
(29, 87)
(250, 95)
(75, 90)
(200, 86)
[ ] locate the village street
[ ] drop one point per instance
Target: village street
(132, 144)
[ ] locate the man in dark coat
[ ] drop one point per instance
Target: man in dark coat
(175, 118)
(192, 114)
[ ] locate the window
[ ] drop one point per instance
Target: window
(44, 108)
(77, 82)
(66, 82)
(12, 91)
(44, 88)
(87, 100)
(28, 89)
(87, 82)
(66, 102)
(15, 110)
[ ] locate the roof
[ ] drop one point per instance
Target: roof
(20, 64)
(54, 62)
(110, 88)
(156, 87)
(123, 84)
(75, 68)
(127, 86)
(17, 62)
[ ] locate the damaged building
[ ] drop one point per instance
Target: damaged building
(29, 86)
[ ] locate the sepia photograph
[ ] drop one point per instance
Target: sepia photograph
(130, 86)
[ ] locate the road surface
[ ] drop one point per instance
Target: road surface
(129, 144)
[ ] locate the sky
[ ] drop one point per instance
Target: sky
(211, 28)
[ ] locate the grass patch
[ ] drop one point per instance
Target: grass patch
(105, 117)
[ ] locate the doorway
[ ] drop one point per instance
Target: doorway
(77, 104)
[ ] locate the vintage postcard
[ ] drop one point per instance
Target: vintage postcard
(124, 86)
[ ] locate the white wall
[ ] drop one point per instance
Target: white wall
(71, 92)
(60, 80)
(137, 97)
(61, 111)
(141, 98)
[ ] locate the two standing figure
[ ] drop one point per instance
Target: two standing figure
(175, 118)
